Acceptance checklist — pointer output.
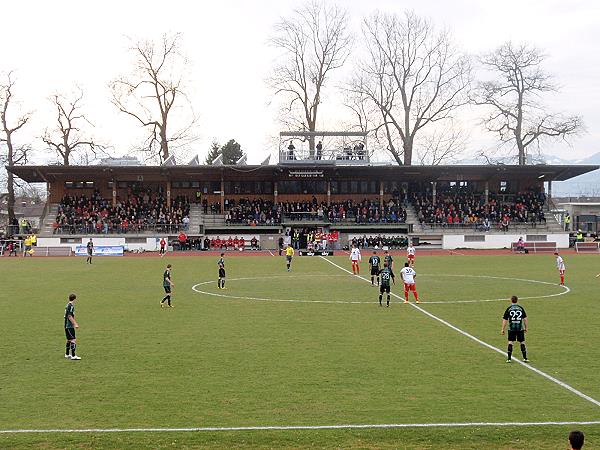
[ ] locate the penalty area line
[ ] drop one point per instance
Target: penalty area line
(302, 427)
(485, 344)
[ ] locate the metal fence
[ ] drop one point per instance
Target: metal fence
(493, 226)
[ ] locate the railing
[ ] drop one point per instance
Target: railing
(559, 214)
(350, 219)
(353, 153)
(130, 229)
(457, 227)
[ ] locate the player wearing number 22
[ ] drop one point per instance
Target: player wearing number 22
(516, 319)
(408, 275)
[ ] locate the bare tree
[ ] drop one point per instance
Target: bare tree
(314, 42)
(153, 93)
(66, 138)
(441, 145)
(414, 76)
(15, 154)
(516, 113)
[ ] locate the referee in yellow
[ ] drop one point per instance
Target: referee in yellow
(289, 254)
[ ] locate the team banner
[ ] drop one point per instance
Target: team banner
(100, 250)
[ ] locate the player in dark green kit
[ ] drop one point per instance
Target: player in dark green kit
(221, 264)
(374, 262)
(516, 318)
(90, 251)
(386, 276)
(70, 326)
(387, 258)
(167, 285)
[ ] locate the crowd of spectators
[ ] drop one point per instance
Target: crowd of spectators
(366, 211)
(252, 212)
(138, 211)
(465, 209)
(264, 212)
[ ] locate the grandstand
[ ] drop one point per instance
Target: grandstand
(447, 207)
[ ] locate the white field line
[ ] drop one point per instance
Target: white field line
(301, 427)
(485, 344)
(271, 253)
(566, 290)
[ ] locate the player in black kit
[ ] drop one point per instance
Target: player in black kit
(386, 275)
(221, 264)
(90, 251)
(516, 319)
(374, 262)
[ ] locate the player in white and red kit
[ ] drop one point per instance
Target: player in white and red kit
(356, 258)
(410, 254)
(408, 275)
(560, 265)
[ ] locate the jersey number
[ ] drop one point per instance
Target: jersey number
(515, 315)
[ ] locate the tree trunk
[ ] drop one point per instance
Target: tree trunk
(66, 158)
(10, 181)
(11, 198)
(408, 150)
(164, 146)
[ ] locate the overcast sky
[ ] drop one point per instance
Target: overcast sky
(53, 46)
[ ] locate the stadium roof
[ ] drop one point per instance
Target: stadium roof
(41, 174)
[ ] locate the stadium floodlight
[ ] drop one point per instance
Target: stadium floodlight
(195, 161)
(242, 161)
(218, 161)
(170, 161)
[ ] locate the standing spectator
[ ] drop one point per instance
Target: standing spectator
(163, 244)
(182, 238)
(319, 150)
(27, 242)
(291, 148)
(567, 222)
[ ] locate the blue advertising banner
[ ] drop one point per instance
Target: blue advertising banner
(100, 250)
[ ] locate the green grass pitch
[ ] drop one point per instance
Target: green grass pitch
(306, 348)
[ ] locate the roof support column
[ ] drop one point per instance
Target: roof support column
(549, 195)
(114, 192)
(169, 195)
(434, 191)
(487, 192)
(381, 194)
(222, 194)
(275, 192)
(328, 192)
